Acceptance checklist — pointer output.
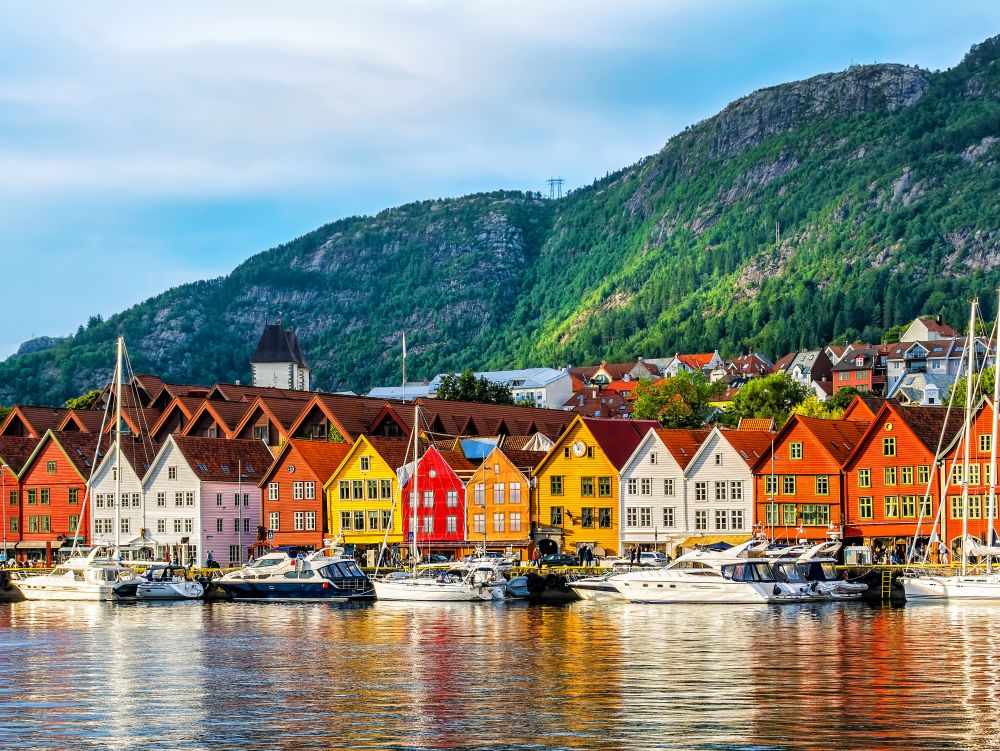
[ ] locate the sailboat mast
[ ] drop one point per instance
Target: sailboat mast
(991, 512)
(415, 497)
(118, 441)
(970, 351)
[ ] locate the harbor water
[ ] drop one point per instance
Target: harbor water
(497, 676)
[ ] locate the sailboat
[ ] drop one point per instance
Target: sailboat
(91, 576)
(966, 585)
(455, 585)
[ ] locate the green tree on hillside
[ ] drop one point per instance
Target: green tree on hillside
(84, 401)
(772, 396)
(980, 386)
(678, 402)
(465, 387)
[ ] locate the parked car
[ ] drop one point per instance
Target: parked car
(435, 558)
(558, 559)
(652, 558)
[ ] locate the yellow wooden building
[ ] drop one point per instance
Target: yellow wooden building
(498, 501)
(578, 487)
(360, 494)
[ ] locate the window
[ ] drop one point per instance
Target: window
(189, 498)
(246, 524)
(274, 521)
(178, 499)
(652, 457)
(822, 485)
(359, 521)
(668, 516)
(815, 514)
(451, 524)
(891, 507)
(908, 506)
(646, 486)
(736, 490)
(923, 474)
(136, 500)
(311, 491)
(668, 487)
(956, 474)
(234, 555)
(385, 489)
(297, 491)
(13, 498)
(701, 491)
(298, 521)
(556, 485)
(770, 486)
(889, 446)
(13, 524)
(985, 442)
(556, 516)
(590, 452)
(189, 525)
(604, 518)
(633, 486)
(260, 433)
(866, 509)
(890, 475)
(452, 499)
(74, 522)
(345, 521)
(975, 507)
(110, 499)
(736, 518)
(428, 499)
(645, 517)
(631, 517)
(721, 490)
(479, 523)
(178, 526)
(789, 514)
(721, 519)
(956, 506)
(50, 467)
(161, 526)
(498, 520)
(795, 450)
(604, 487)
(515, 494)
(973, 474)
(587, 517)
(788, 485)
(701, 520)
(171, 473)
(986, 475)
(161, 500)
(771, 514)
(386, 519)
(515, 522)
(718, 460)
(74, 496)
(218, 499)
(906, 475)
(566, 452)
(218, 525)
(358, 490)
(587, 486)
(236, 525)
(371, 490)
(428, 524)
(498, 493)
(479, 494)
(366, 463)
(44, 497)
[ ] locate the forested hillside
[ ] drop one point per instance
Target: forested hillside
(829, 208)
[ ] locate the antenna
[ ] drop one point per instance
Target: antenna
(555, 187)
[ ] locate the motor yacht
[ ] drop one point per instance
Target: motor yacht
(81, 577)
(326, 574)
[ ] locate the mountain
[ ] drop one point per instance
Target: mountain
(834, 207)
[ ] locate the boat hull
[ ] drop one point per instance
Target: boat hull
(941, 588)
(431, 591)
(304, 592)
(596, 590)
(57, 591)
(170, 591)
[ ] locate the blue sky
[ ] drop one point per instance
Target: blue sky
(142, 145)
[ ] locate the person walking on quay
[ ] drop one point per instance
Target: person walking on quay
(536, 558)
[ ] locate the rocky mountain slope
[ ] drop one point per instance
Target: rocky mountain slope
(833, 207)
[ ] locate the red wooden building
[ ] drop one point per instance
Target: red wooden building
(800, 493)
(53, 485)
(14, 453)
(890, 471)
(439, 492)
(292, 492)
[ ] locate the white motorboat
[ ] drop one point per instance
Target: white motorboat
(816, 563)
(168, 583)
(315, 577)
(597, 588)
(90, 577)
(459, 583)
(969, 587)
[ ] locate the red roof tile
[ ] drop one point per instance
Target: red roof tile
(213, 460)
(618, 438)
(682, 444)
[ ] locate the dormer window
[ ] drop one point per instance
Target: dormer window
(859, 361)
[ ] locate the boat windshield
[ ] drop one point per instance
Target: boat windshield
(749, 572)
(790, 572)
(266, 562)
(818, 571)
(343, 570)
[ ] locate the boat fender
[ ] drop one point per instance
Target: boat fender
(551, 581)
(776, 591)
(326, 585)
(562, 583)
(535, 583)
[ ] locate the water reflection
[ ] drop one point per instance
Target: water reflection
(462, 676)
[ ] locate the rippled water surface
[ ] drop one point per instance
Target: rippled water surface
(492, 676)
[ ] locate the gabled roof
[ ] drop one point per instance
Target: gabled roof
(785, 361)
(236, 392)
(618, 438)
(79, 448)
(36, 420)
(682, 444)
(350, 415)
(608, 403)
(862, 408)
(926, 424)
(526, 461)
(15, 450)
(186, 405)
(139, 421)
(278, 344)
(751, 445)
(213, 460)
(756, 423)
(85, 420)
(322, 457)
(750, 364)
(489, 419)
(393, 451)
(226, 414)
(838, 438)
(696, 361)
(282, 412)
(138, 451)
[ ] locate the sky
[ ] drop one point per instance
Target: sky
(146, 145)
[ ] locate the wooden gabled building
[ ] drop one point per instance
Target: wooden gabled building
(498, 501)
(436, 492)
(216, 419)
(269, 420)
(32, 422)
(14, 454)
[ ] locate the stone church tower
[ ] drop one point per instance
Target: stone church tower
(278, 360)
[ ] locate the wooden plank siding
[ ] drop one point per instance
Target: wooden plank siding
(47, 482)
(360, 496)
(498, 505)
